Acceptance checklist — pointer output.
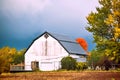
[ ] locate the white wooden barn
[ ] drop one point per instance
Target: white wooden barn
(48, 49)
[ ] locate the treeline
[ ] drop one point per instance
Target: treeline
(10, 56)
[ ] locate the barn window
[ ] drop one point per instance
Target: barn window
(46, 36)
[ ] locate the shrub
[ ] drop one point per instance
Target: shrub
(68, 63)
(107, 64)
(81, 65)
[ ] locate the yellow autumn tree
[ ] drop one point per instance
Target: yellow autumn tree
(6, 57)
(114, 19)
(105, 27)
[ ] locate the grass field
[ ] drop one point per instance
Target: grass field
(69, 75)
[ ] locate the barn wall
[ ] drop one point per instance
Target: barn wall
(37, 52)
(79, 58)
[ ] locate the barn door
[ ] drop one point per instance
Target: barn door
(35, 65)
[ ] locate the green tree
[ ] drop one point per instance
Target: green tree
(19, 57)
(105, 27)
(68, 63)
(96, 58)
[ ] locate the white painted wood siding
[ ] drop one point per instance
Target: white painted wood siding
(37, 52)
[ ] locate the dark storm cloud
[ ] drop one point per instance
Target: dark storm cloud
(23, 20)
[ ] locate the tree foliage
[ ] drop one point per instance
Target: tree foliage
(96, 58)
(82, 43)
(19, 57)
(105, 27)
(6, 55)
(9, 56)
(68, 63)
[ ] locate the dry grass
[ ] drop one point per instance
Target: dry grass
(74, 75)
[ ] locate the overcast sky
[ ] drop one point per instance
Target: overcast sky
(21, 21)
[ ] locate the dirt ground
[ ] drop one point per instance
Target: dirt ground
(61, 76)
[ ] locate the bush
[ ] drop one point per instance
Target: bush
(68, 63)
(81, 66)
(107, 64)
